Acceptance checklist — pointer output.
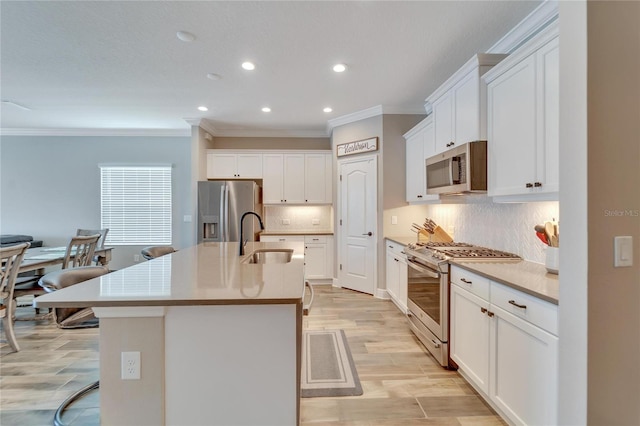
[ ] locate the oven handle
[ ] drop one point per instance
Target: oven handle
(420, 268)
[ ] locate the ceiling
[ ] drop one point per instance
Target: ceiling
(109, 66)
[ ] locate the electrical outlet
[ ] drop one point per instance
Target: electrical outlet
(130, 366)
(394, 220)
(315, 221)
(136, 258)
(286, 221)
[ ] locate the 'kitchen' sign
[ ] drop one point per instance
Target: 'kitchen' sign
(357, 147)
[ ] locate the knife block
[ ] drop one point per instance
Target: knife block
(440, 236)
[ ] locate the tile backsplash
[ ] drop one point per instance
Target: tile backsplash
(299, 218)
(507, 227)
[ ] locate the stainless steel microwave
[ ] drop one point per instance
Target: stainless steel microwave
(458, 170)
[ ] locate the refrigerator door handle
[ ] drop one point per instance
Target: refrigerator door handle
(226, 212)
(222, 230)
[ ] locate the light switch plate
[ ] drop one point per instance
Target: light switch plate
(622, 251)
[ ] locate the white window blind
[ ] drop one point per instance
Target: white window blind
(136, 204)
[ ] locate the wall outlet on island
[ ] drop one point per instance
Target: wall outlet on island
(315, 221)
(130, 366)
(286, 221)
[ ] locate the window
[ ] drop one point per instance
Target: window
(136, 204)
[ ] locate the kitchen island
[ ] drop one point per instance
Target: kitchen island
(219, 339)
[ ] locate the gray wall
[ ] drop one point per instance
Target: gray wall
(50, 186)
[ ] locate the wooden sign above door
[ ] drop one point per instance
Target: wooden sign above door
(357, 147)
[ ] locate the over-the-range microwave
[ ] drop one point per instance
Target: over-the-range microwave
(459, 170)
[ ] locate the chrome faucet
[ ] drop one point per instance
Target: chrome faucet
(243, 242)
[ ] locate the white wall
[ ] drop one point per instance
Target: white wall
(50, 186)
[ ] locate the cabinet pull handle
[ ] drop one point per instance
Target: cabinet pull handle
(537, 184)
(529, 185)
(395, 259)
(390, 247)
(282, 239)
(316, 239)
(513, 302)
(483, 310)
(466, 281)
(419, 196)
(491, 314)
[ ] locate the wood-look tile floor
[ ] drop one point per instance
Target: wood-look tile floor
(402, 383)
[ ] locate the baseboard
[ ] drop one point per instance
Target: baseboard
(381, 293)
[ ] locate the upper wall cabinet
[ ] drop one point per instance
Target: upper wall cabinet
(459, 105)
(297, 178)
(223, 164)
(420, 145)
(523, 116)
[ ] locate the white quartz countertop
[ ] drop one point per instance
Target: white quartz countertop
(528, 277)
(402, 240)
(297, 232)
(206, 274)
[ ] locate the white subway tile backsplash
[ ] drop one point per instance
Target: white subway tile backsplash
(507, 227)
(298, 218)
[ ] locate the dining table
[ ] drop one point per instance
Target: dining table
(39, 258)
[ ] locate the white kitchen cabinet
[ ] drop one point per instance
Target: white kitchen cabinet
(469, 340)
(524, 370)
(459, 104)
(318, 178)
(318, 257)
(233, 165)
(419, 146)
(297, 178)
(318, 253)
(523, 122)
(396, 274)
(505, 344)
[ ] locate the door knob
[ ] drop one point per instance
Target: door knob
(368, 233)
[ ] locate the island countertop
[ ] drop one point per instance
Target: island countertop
(205, 274)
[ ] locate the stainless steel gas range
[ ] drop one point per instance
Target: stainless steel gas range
(428, 289)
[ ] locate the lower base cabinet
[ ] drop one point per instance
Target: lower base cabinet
(318, 253)
(511, 361)
(396, 275)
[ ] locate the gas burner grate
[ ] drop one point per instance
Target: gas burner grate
(433, 244)
(477, 253)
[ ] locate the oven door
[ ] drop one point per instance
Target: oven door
(427, 297)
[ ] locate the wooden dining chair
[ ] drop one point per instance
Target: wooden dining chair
(80, 251)
(103, 237)
(156, 251)
(11, 259)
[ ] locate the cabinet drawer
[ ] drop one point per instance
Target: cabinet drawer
(469, 281)
(315, 239)
(536, 311)
(281, 239)
(396, 248)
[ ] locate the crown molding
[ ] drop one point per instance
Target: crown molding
(95, 132)
(539, 18)
(372, 112)
(210, 128)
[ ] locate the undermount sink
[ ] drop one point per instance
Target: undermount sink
(269, 256)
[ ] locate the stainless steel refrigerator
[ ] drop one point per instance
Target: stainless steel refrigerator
(220, 206)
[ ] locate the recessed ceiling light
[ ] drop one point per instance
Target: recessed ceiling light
(249, 66)
(203, 108)
(339, 67)
(328, 109)
(185, 36)
(266, 109)
(214, 76)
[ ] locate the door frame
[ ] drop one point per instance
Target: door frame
(340, 248)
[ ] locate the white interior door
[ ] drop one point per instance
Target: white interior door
(358, 223)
